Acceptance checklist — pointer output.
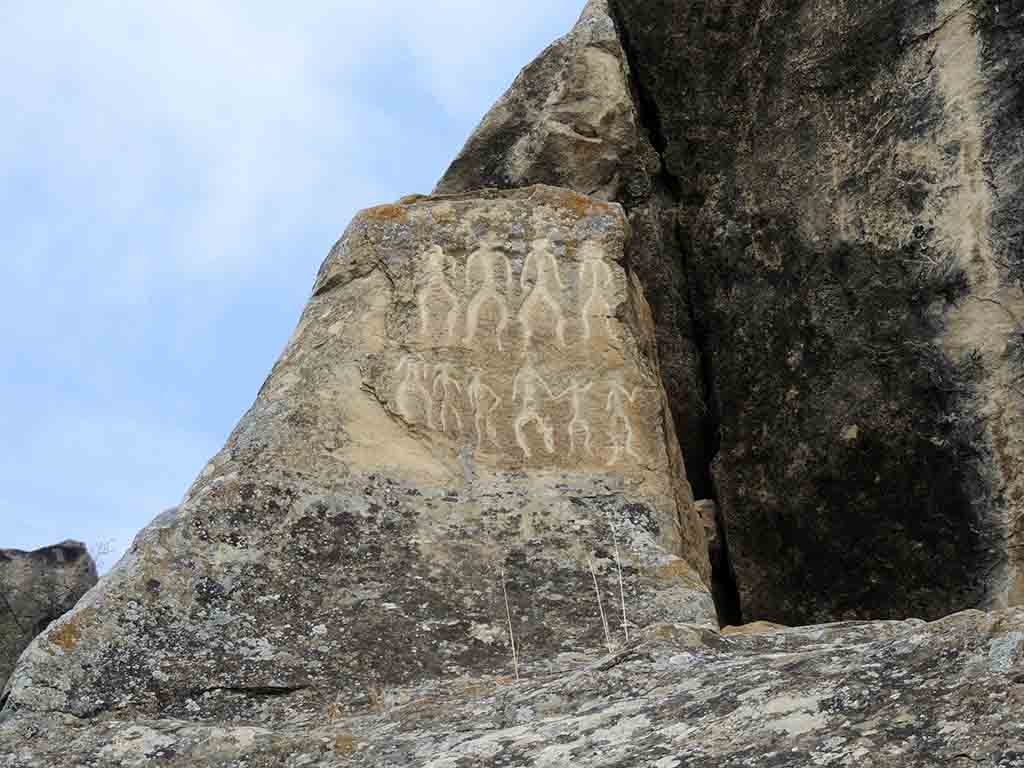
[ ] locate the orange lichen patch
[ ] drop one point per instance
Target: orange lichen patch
(344, 745)
(384, 213)
(581, 205)
(67, 634)
(678, 570)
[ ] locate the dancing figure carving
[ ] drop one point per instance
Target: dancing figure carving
(542, 285)
(482, 263)
(622, 443)
(438, 293)
(526, 386)
(412, 396)
(579, 423)
(479, 394)
(444, 386)
(601, 280)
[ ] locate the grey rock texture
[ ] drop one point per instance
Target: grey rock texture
(35, 589)
(468, 408)
(880, 694)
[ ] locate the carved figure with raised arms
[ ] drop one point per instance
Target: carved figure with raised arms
(579, 423)
(437, 294)
(622, 443)
(479, 395)
(542, 285)
(481, 265)
(526, 386)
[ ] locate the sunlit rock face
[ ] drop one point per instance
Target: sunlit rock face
(36, 588)
(468, 409)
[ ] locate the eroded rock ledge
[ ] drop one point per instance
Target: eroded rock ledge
(35, 589)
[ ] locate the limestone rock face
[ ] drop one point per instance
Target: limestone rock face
(35, 589)
(468, 408)
(882, 694)
(568, 120)
(848, 178)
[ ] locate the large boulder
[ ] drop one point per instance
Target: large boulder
(37, 588)
(461, 463)
(850, 179)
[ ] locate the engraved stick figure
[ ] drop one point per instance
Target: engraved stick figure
(443, 383)
(616, 406)
(412, 391)
(527, 382)
(601, 280)
(542, 264)
(485, 257)
(478, 391)
(437, 283)
(579, 420)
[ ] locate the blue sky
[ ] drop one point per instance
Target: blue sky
(171, 176)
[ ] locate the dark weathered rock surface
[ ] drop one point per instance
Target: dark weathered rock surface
(35, 589)
(848, 180)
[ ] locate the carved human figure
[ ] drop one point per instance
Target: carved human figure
(480, 266)
(526, 387)
(437, 293)
(579, 423)
(595, 279)
(412, 396)
(542, 285)
(479, 396)
(616, 406)
(448, 390)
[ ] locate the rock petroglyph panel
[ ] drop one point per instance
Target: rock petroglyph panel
(516, 330)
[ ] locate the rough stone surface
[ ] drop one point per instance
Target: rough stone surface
(35, 589)
(498, 405)
(468, 407)
(848, 184)
(570, 119)
(901, 694)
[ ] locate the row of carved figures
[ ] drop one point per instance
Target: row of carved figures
(489, 278)
(435, 394)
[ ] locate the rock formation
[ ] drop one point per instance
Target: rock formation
(831, 243)
(468, 409)
(763, 255)
(35, 589)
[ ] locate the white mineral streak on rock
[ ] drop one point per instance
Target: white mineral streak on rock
(984, 320)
